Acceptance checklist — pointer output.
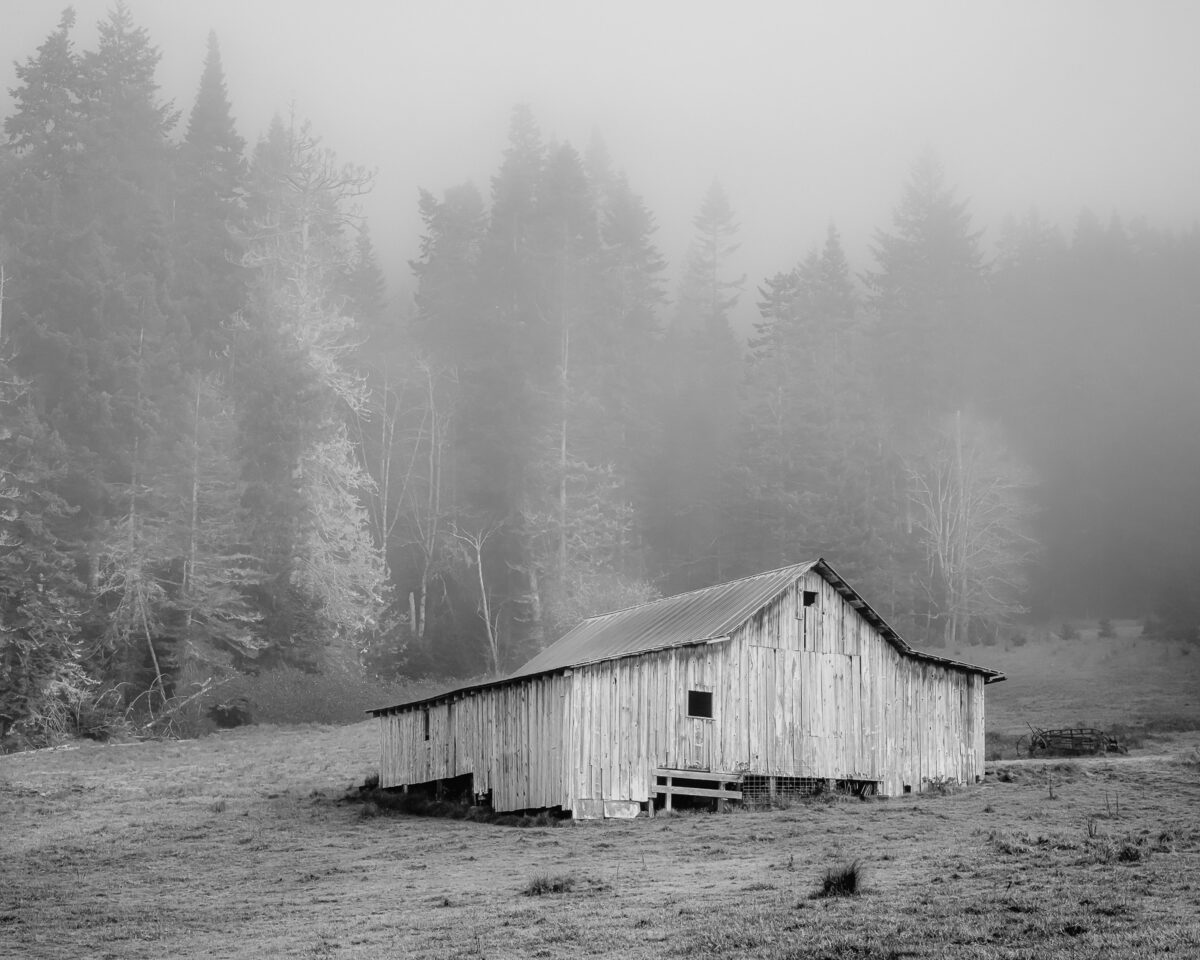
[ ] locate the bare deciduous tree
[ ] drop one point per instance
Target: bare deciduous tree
(472, 542)
(971, 512)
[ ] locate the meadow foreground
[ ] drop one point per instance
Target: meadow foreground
(242, 845)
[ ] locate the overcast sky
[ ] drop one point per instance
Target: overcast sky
(807, 113)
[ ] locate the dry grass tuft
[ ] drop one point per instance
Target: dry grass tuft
(1127, 849)
(844, 881)
(543, 884)
(1008, 844)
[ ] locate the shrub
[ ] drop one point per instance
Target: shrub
(369, 810)
(941, 786)
(844, 881)
(1005, 843)
(544, 883)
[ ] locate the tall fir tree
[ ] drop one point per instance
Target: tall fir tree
(43, 659)
(709, 291)
(322, 580)
(927, 294)
(578, 510)
(811, 463)
(456, 348)
(502, 399)
(701, 370)
(449, 322)
(46, 118)
(99, 336)
(210, 184)
(363, 284)
(632, 296)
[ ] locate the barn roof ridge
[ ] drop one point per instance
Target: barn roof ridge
(807, 564)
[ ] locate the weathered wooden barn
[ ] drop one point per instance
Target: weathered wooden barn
(781, 681)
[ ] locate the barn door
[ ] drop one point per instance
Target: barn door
(700, 744)
(699, 729)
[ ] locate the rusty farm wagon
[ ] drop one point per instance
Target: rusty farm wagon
(782, 682)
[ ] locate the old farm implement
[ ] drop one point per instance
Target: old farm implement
(1068, 742)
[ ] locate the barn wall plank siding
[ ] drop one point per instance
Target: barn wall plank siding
(791, 674)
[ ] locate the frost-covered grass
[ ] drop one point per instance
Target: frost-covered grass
(241, 844)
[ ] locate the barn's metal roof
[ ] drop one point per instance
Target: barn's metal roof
(708, 614)
(705, 614)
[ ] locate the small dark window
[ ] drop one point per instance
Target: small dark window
(700, 704)
(810, 597)
(425, 722)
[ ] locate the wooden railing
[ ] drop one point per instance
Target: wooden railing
(727, 785)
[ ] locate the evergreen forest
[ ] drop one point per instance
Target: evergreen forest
(225, 450)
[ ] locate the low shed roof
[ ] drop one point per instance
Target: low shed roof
(708, 614)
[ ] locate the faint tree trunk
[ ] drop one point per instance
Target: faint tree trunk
(4, 278)
(128, 580)
(562, 450)
(535, 608)
(382, 506)
(474, 542)
(431, 527)
(409, 473)
(189, 568)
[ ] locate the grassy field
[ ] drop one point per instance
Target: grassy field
(1127, 682)
(241, 845)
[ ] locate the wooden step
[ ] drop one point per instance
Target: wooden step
(698, 775)
(671, 788)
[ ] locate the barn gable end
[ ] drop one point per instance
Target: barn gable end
(786, 675)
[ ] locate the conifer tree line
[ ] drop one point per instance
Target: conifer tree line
(222, 450)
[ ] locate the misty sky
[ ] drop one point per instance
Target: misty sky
(806, 112)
